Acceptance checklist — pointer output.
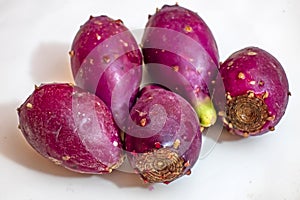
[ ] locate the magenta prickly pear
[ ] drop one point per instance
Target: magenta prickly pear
(103, 52)
(257, 92)
(165, 140)
(179, 39)
(71, 127)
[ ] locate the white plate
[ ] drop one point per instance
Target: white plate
(35, 37)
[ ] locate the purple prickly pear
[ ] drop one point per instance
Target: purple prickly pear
(105, 55)
(71, 127)
(256, 89)
(164, 141)
(178, 39)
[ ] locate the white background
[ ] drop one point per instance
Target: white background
(35, 37)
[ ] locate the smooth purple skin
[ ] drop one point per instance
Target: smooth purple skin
(254, 69)
(195, 56)
(71, 127)
(168, 117)
(104, 51)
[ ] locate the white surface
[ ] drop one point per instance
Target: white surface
(35, 37)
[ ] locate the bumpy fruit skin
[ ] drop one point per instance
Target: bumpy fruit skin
(164, 142)
(71, 127)
(179, 39)
(257, 92)
(105, 54)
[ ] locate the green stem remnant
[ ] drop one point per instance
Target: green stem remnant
(206, 112)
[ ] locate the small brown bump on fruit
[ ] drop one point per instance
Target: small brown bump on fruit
(252, 82)
(98, 36)
(19, 126)
(251, 53)
(175, 68)
(91, 17)
(251, 94)
(71, 53)
(228, 96)
(176, 144)
(99, 23)
(245, 134)
(143, 122)
(261, 83)
(289, 93)
(222, 113)
(92, 61)
(188, 29)
(124, 43)
(66, 158)
(229, 64)
(202, 128)
(187, 164)
(271, 118)
(265, 95)
(118, 21)
(115, 143)
(225, 121)
(188, 172)
(29, 105)
(57, 162)
(272, 128)
(141, 113)
(149, 16)
(230, 125)
(197, 90)
(241, 75)
(106, 59)
(108, 169)
(157, 9)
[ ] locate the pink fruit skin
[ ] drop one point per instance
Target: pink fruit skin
(71, 127)
(103, 51)
(178, 38)
(255, 70)
(163, 118)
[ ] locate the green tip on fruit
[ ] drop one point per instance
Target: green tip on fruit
(206, 112)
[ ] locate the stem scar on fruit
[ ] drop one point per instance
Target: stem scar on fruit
(247, 112)
(160, 165)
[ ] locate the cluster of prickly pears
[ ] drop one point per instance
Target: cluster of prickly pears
(91, 127)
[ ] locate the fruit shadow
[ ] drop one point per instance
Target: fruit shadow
(125, 179)
(50, 62)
